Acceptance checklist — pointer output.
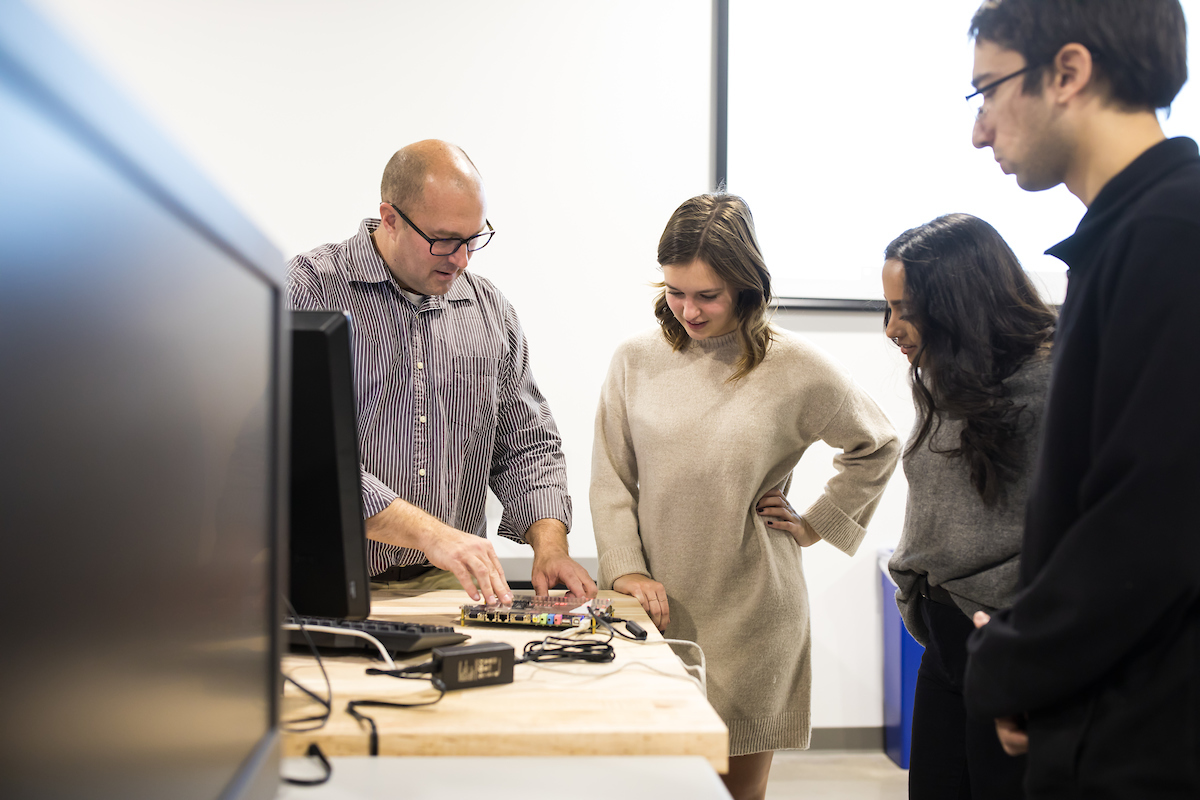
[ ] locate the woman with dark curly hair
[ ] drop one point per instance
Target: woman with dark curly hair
(978, 339)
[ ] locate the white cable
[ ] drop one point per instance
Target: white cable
(348, 632)
(696, 673)
(701, 673)
(585, 626)
(635, 663)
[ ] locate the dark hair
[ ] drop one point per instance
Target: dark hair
(718, 229)
(1138, 47)
(980, 319)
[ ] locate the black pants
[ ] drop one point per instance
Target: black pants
(955, 755)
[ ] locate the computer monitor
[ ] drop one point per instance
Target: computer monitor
(143, 417)
(328, 551)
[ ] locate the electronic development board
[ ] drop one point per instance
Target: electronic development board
(537, 611)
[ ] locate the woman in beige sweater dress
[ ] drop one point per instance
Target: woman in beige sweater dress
(700, 423)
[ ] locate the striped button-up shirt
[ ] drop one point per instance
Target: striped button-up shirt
(447, 403)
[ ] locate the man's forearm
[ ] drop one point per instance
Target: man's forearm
(546, 535)
(470, 558)
(402, 524)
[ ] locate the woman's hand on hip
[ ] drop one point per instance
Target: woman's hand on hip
(650, 593)
(777, 513)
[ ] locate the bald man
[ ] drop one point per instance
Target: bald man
(447, 403)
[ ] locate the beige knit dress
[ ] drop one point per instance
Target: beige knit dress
(679, 461)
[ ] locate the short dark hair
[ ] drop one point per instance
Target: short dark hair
(718, 229)
(1138, 47)
(980, 319)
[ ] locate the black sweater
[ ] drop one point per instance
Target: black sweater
(1110, 565)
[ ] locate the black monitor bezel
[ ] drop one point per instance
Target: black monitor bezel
(327, 559)
(46, 70)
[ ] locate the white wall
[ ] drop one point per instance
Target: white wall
(590, 124)
(844, 592)
(894, 153)
(889, 147)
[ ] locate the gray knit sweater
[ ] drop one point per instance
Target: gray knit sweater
(949, 535)
(679, 461)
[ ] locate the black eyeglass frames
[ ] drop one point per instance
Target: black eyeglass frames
(448, 247)
(977, 98)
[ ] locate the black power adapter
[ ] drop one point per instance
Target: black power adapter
(635, 630)
(468, 665)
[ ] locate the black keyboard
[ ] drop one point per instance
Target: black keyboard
(395, 636)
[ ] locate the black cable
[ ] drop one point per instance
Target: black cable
(563, 648)
(314, 751)
(418, 671)
(320, 719)
(326, 702)
(353, 706)
(639, 634)
(559, 648)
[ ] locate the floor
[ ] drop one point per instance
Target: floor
(832, 774)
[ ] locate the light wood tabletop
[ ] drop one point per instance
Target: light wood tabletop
(642, 703)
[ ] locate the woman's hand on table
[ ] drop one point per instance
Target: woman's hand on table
(778, 514)
(650, 593)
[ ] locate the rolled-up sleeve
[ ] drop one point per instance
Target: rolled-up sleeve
(870, 450)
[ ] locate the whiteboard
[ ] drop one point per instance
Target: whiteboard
(847, 126)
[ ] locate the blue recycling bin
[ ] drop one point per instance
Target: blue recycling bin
(901, 659)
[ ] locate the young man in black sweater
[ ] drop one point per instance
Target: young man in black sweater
(1095, 669)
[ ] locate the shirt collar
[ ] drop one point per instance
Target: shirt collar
(367, 266)
(1146, 171)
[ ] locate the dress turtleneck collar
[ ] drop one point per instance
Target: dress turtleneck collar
(717, 342)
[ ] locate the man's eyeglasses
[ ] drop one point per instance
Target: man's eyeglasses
(976, 99)
(448, 247)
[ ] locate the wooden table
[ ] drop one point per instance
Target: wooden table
(642, 703)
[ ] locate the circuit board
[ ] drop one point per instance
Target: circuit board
(560, 611)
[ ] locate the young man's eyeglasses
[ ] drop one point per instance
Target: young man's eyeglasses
(976, 99)
(448, 247)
